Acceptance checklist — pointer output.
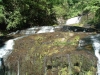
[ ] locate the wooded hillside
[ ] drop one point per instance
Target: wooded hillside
(18, 14)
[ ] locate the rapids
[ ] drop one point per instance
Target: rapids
(7, 48)
(94, 40)
(73, 20)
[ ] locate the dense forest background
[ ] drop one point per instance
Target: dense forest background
(18, 14)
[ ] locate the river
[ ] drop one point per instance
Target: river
(7, 48)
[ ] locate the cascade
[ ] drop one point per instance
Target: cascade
(8, 45)
(35, 30)
(95, 41)
(7, 48)
(96, 46)
(73, 20)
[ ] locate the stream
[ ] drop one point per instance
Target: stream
(95, 41)
(7, 48)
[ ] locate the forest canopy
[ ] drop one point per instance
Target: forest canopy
(18, 14)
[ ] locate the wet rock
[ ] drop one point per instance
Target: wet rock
(61, 55)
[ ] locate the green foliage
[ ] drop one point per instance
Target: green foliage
(97, 17)
(2, 15)
(14, 20)
(25, 13)
(59, 11)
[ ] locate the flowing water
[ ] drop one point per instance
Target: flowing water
(6, 50)
(8, 45)
(36, 30)
(96, 46)
(95, 41)
(73, 20)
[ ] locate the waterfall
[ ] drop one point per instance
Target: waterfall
(35, 30)
(8, 45)
(96, 46)
(94, 40)
(73, 20)
(7, 48)
(46, 29)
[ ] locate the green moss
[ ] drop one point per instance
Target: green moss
(49, 52)
(63, 71)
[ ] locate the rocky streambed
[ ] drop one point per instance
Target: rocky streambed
(53, 53)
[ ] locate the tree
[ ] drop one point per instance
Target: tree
(2, 16)
(26, 13)
(18, 14)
